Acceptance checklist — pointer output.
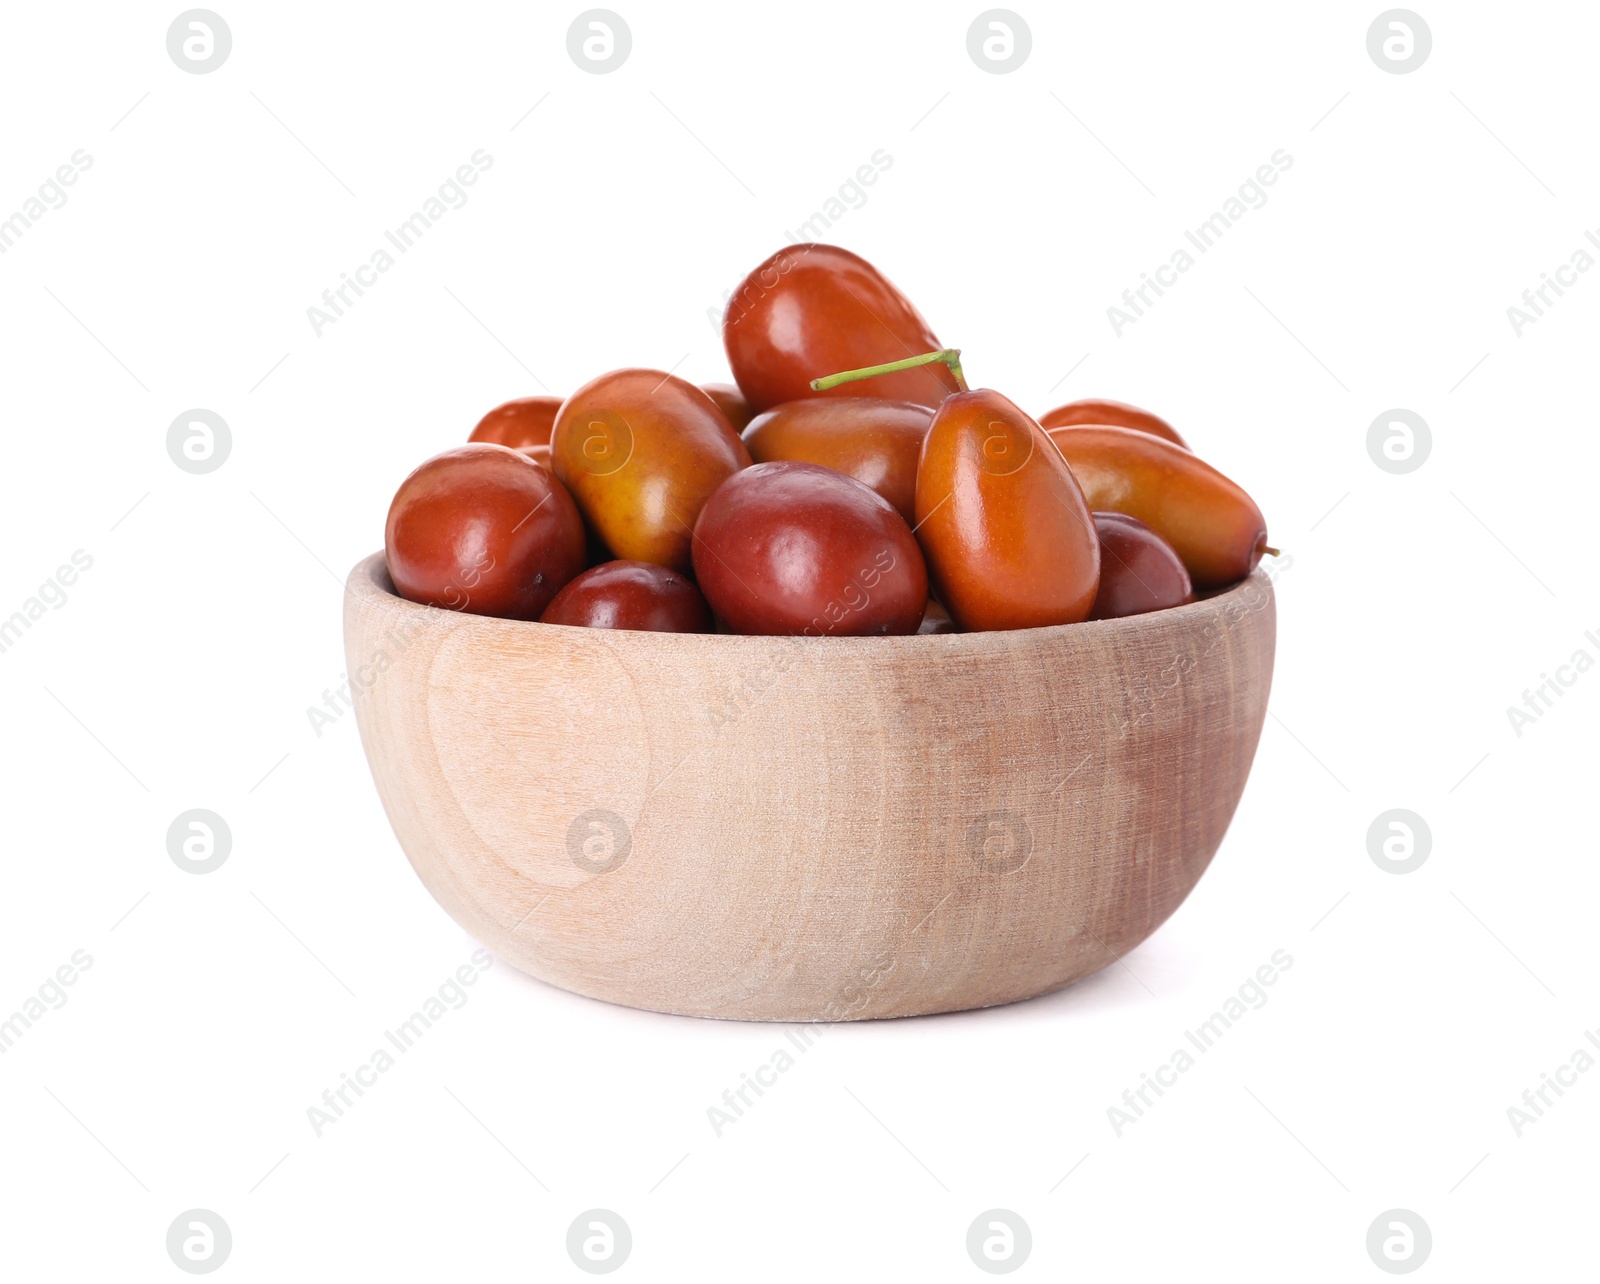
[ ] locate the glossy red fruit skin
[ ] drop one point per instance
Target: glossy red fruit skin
(731, 402)
(631, 595)
(482, 528)
(1139, 572)
(1009, 539)
(813, 310)
(1115, 414)
(1208, 519)
(523, 422)
(872, 439)
(794, 548)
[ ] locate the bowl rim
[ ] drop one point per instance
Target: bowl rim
(369, 580)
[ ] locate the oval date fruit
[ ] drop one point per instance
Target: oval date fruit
(874, 440)
(631, 595)
(793, 548)
(1139, 572)
(484, 529)
(523, 422)
(642, 450)
(1112, 414)
(1209, 520)
(1009, 539)
(814, 310)
(731, 402)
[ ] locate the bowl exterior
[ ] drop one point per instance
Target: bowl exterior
(806, 829)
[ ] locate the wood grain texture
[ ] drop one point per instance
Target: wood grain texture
(809, 829)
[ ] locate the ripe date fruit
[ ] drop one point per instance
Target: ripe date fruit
(1008, 536)
(1139, 572)
(642, 450)
(731, 402)
(872, 439)
(523, 422)
(483, 529)
(1113, 414)
(810, 310)
(795, 548)
(1209, 520)
(631, 595)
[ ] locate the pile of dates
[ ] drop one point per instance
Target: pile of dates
(850, 484)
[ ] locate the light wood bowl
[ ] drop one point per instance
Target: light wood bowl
(792, 829)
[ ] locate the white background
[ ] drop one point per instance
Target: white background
(179, 670)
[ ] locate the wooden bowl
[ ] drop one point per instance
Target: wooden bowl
(809, 829)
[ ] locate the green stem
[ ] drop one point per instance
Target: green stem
(949, 356)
